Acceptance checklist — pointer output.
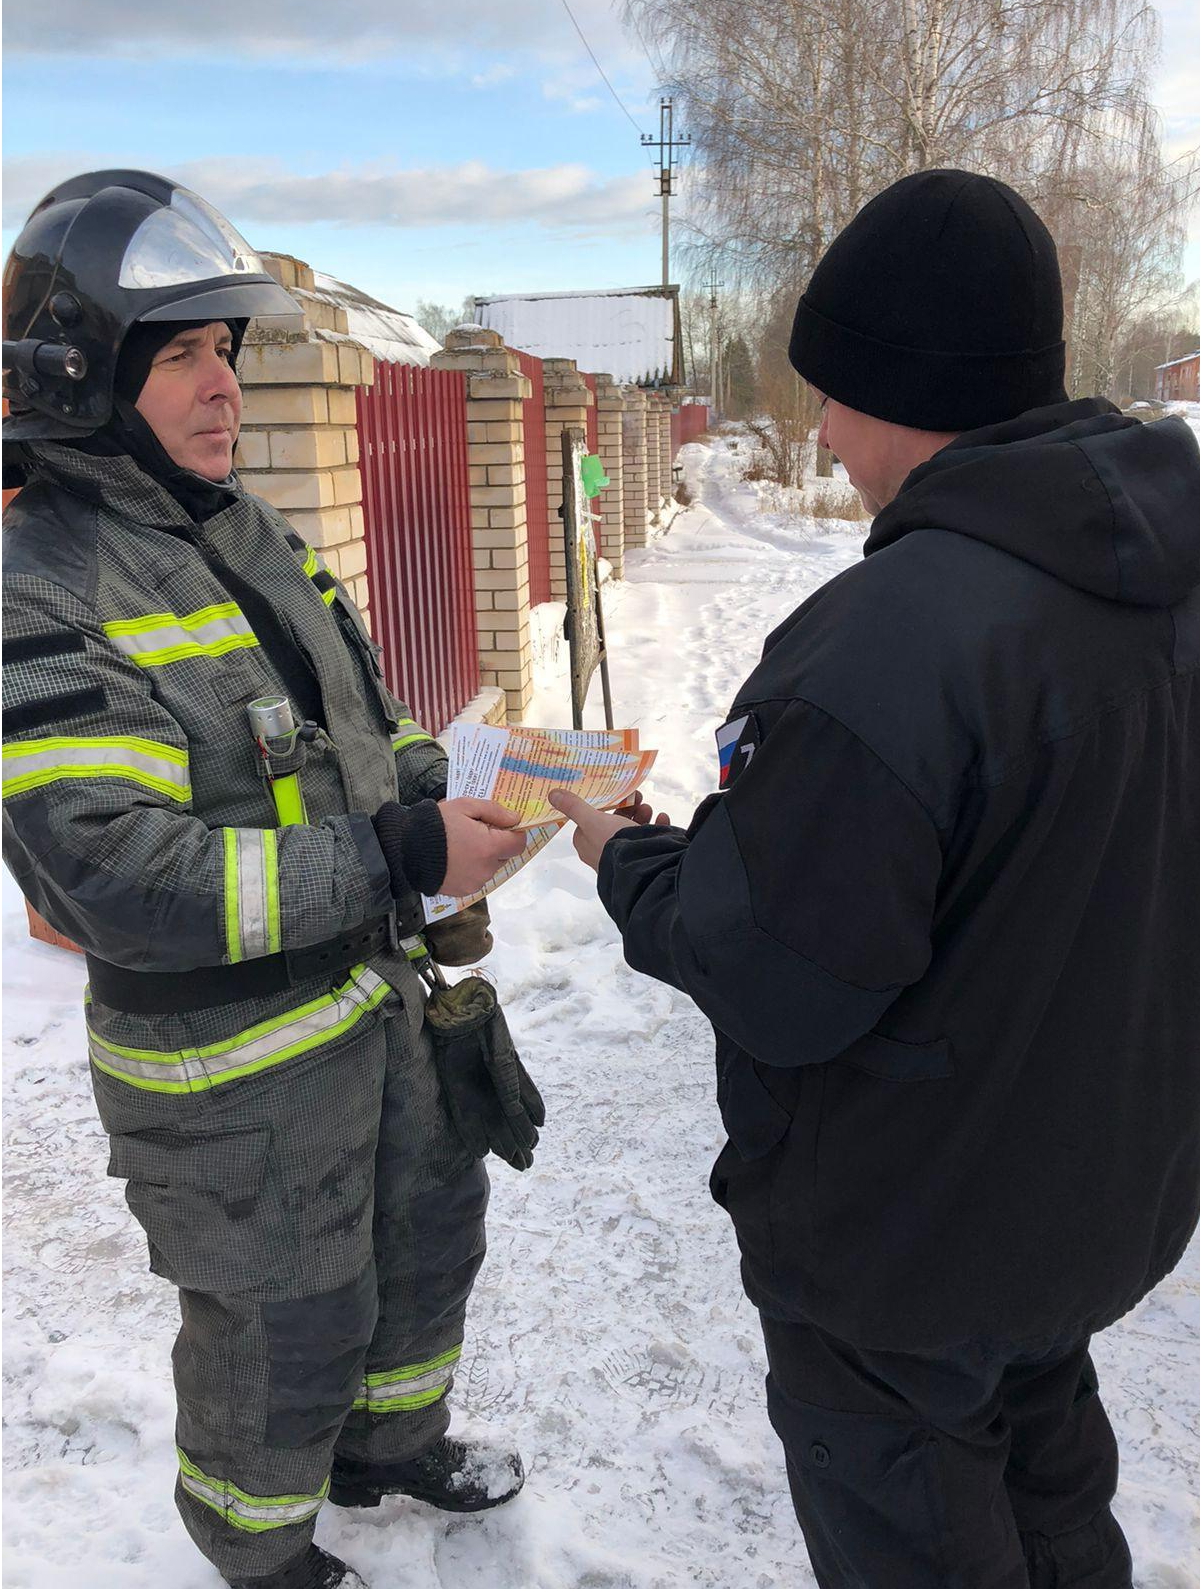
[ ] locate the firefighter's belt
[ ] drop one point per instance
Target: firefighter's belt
(181, 992)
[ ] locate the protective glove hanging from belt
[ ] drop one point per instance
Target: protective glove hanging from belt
(491, 1097)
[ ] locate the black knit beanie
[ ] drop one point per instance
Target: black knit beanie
(939, 307)
(145, 340)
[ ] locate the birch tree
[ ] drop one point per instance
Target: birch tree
(801, 110)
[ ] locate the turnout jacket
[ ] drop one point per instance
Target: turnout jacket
(137, 818)
(945, 916)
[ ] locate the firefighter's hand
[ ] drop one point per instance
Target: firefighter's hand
(593, 828)
(479, 839)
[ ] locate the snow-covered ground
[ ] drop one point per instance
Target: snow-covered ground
(609, 1334)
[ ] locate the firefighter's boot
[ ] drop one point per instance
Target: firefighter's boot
(454, 1475)
(315, 1569)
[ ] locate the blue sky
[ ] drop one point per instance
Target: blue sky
(324, 129)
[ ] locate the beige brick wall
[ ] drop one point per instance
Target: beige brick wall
(568, 399)
(654, 495)
(496, 461)
(489, 706)
(610, 408)
(298, 446)
(633, 470)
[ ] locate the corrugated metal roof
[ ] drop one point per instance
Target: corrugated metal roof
(630, 333)
(388, 333)
(1186, 359)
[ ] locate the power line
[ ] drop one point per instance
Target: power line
(601, 70)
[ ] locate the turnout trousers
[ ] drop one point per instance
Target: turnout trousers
(324, 1225)
(915, 1473)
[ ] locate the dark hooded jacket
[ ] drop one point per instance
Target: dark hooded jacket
(945, 914)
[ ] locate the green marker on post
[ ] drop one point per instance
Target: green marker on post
(591, 473)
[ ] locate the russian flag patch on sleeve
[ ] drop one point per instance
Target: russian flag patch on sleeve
(736, 744)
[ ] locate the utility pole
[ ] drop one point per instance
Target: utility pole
(666, 143)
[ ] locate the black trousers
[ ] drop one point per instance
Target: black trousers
(911, 1473)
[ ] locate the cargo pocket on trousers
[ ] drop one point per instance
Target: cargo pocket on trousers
(866, 1478)
(200, 1200)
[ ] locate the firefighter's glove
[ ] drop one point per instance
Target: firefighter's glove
(492, 1100)
(462, 940)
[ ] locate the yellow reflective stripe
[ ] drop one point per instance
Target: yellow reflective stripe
(233, 930)
(271, 878)
(387, 1376)
(409, 1388)
(313, 565)
(289, 801)
(163, 637)
(247, 1053)
(160, 620)
(30, 763)
(403, 740)
(253, 1513)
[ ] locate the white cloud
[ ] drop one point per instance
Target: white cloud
(578, 86)
(354, 30)
(499, 73)
(259, 193)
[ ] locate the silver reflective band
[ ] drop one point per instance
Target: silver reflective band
(253, 1513)
(258, 891)
(407, 1387)
(187, 241)
(225, 1501)
(162, 637)
(30, 763)
(259, 1047)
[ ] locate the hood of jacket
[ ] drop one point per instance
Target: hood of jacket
(1098, 499)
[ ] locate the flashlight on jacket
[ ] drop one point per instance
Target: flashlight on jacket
(273, 727)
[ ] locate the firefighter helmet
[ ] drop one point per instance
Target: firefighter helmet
(100, 252)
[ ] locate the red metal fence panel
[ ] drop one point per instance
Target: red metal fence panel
(688, 421)
(537, 504)
(412, 430)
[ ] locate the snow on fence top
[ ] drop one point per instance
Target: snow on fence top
(389, 334)
(630, 333)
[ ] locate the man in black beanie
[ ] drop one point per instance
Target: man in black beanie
(944, 915)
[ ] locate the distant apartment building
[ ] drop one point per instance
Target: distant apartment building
(1179, 381)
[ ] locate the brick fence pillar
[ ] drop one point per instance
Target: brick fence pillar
(496, 460)
(568, 398)
(609, 444)
(633, 472)
(666, 468)
(298, 446)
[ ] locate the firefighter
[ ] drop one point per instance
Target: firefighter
(210, 788)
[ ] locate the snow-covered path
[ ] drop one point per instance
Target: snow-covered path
(609, 1333)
